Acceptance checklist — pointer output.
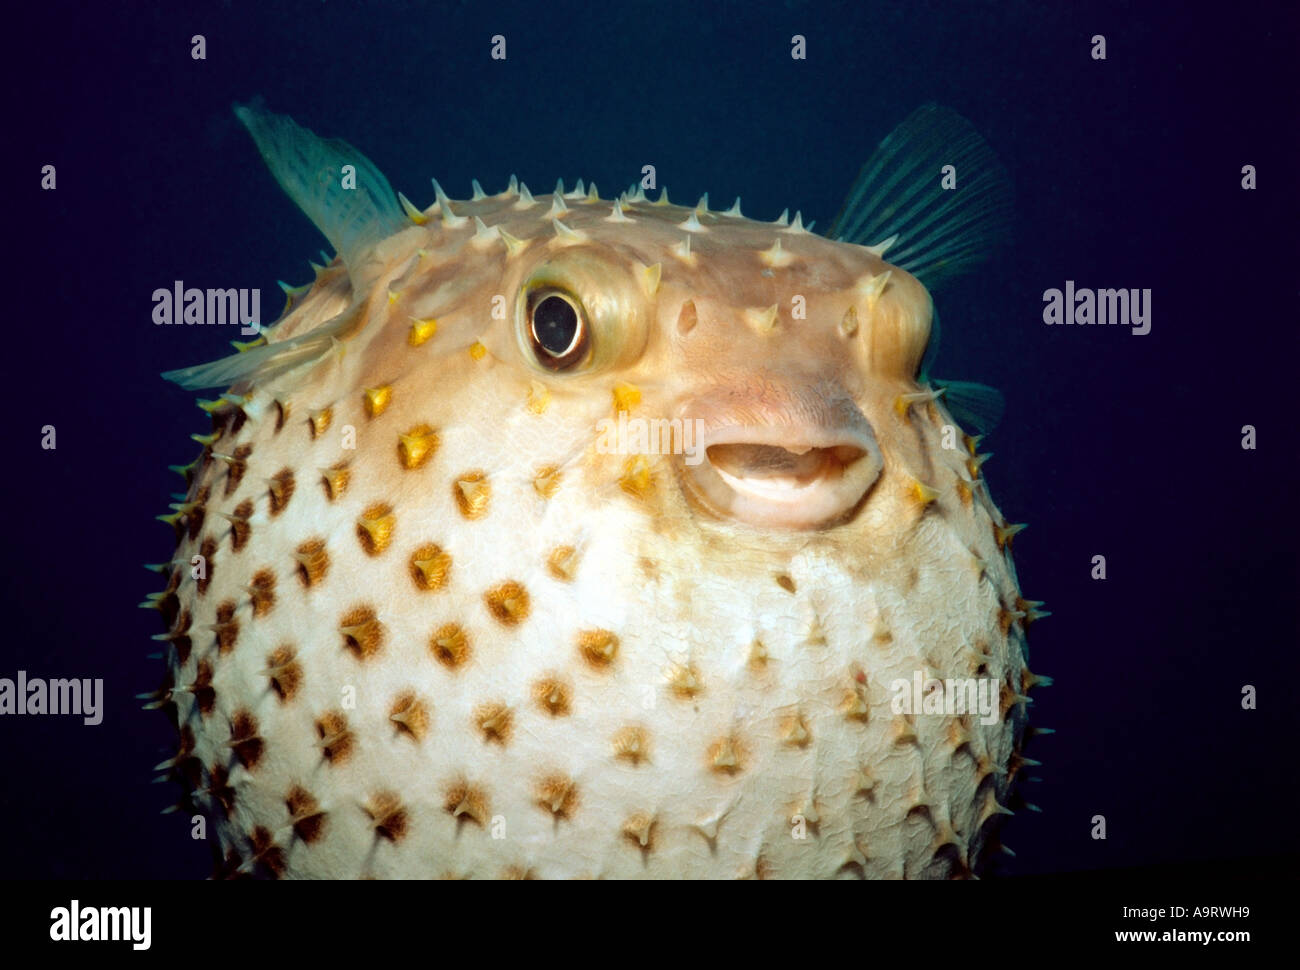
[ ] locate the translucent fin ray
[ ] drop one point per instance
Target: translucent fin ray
(310, 170)
(263, 363)
(974, 405)
(941, 232)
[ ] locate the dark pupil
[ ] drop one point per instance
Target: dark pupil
(554, 325)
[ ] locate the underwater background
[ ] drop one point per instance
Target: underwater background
(1128, 173)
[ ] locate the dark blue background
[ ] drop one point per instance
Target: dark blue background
(1127, 174)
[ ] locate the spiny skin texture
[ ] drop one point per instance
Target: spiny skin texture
(441, 633)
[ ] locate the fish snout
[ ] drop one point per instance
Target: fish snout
(777, 461)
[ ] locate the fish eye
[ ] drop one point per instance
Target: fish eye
(557, 329)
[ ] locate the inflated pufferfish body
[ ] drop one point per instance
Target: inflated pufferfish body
(556, 536)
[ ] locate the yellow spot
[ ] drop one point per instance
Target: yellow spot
(362, 632)
(421, 330)
(477, 350)
(870, 287)
(335, 479)
(417, 446)
(430, 566)
(392, 297)
(923, 493)
(794, 731)
(1005, 533)
(377, 400)
(723, 756)
(557, 794)
(410, 715)
(562, 563)
(546, 481)
(320, 421)
(776, 257)
(640, 828)
(637, 479)
(494, 720)
(508, 602)
(626, 397)
(375, 528)
(449, 645)
(849, 325)
(685, 681)
(632, 745)
(473, 492)
(764, 321)
(598, 647)
(539, 397)
(650, 279)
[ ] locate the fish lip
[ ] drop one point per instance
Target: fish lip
(835, 468)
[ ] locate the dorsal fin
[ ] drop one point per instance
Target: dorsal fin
(310, 170)
(941, 232)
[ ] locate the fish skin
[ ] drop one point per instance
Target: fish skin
(689, 692)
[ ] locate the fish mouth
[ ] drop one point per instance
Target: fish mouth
(782, 476)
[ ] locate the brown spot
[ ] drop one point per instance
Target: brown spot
(450, 645)
(179, 637)
(553, 696)
(335, 480)
(598, 647)
(313, 562)
(281, 414)
(725, 756)
(226, 627)
(205, 696)
(207, 550)
(305, 814)
(639, 829)
(508, 603)
(281, 490)
(363, 634)
(467, 801)
(240, 529)
(236, 465)
(687, 317)
(963, 492)
(285, 672)
(430, 567)
(410, 715)
(794, 731)
(336, 738)
(785, 582)
(320, 421)
(244, 739)
(417, 446)
(266, 853)
(375, 528)
(902, 730)
(263, 592)
(387, 815)
(558, 795)
(517, 872)
(562, 563)
(684, 680)
(546, 481)
(495, 721)
(632, 744)
(758, 655)
(882, 638)
(197, 514)
(220, 790)
(472, 492)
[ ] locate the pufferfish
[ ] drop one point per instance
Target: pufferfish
(553, 536)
